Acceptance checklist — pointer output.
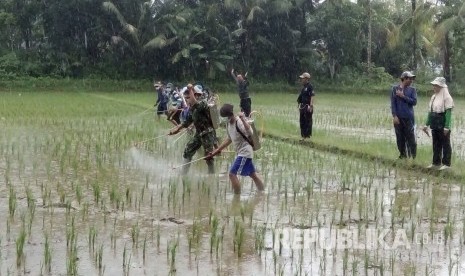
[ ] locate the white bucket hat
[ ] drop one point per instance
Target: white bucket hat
(439, 81)
(305, 75)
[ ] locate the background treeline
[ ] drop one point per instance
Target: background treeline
(336, 40)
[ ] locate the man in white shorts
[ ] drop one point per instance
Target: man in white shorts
(239, 130)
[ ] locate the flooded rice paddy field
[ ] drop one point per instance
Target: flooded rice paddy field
(365, 118)
(78, 197)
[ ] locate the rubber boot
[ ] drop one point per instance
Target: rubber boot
(211, 166)
(185, 168)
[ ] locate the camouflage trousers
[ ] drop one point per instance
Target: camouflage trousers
(207, 141)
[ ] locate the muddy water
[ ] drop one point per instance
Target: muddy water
(110, 208)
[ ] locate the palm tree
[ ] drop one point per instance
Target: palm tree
(416, 28)
(453, 19)
(155, 29)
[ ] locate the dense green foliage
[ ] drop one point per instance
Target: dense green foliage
(204, 39)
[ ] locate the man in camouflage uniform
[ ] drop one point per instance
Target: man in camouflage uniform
(205, 135)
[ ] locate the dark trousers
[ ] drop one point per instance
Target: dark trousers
(306, 122)
(442, 150)
(246, 106)
(405, 136)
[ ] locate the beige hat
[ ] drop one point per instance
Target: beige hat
(305, 75)
(407, 74)
(439, 81)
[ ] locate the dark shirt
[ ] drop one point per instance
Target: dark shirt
(305, 95)
(163, 96)
(403, 107)
(242, 86)
(199, 114)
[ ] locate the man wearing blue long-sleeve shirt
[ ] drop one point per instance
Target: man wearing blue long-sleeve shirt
(403, 99)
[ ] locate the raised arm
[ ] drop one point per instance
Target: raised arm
(233, 75)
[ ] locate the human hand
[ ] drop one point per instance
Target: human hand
(174, 131)
(400, 93)
(425, 130)
(310, 108)
(395, 120)
(210, 155)
(446, 131)
(241, 115)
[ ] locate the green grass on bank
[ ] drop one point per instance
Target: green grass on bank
(358, 86)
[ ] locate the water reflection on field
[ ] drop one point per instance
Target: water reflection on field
(131, 213)
(77, 196)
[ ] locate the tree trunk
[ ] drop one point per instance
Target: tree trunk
(369, 38)
(332, 67)
(414, 38)
(446, 64)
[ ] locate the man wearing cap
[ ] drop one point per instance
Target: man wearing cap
(403, 99)
(238, 129)
(162, 99)
(439, 120)
(177, 105)
(242, 88)
(305, 104)
(205, 135)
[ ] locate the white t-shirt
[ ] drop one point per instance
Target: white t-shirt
(243, 148)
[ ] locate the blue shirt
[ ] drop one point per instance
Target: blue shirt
(403, 107)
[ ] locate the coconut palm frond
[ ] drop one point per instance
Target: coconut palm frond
(393, 36)
(186, 53)
(158, 42)
(220, 66)
(281, 6)
(132, 31)
(252, 12)
(429, 45)
(239, 32)
(214, 39)
(180, 19)
(232, 4)
(145, 13)
(444, 27)
(264, 41)
(173, 30)
(195, 46)
(226, 57)
(176, 57)
(111, 8)
(461, 13)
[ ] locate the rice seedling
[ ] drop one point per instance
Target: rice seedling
(84, 157)
(20, 241)
(47, 253)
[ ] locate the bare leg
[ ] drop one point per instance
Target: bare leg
(236, 185)
(258, 182)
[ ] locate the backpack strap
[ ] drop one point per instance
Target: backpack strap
(245, 137)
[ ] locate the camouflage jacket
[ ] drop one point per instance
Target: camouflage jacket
(199, 114)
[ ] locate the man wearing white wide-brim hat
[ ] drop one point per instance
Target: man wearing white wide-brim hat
(403, 99)
(439, 120)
